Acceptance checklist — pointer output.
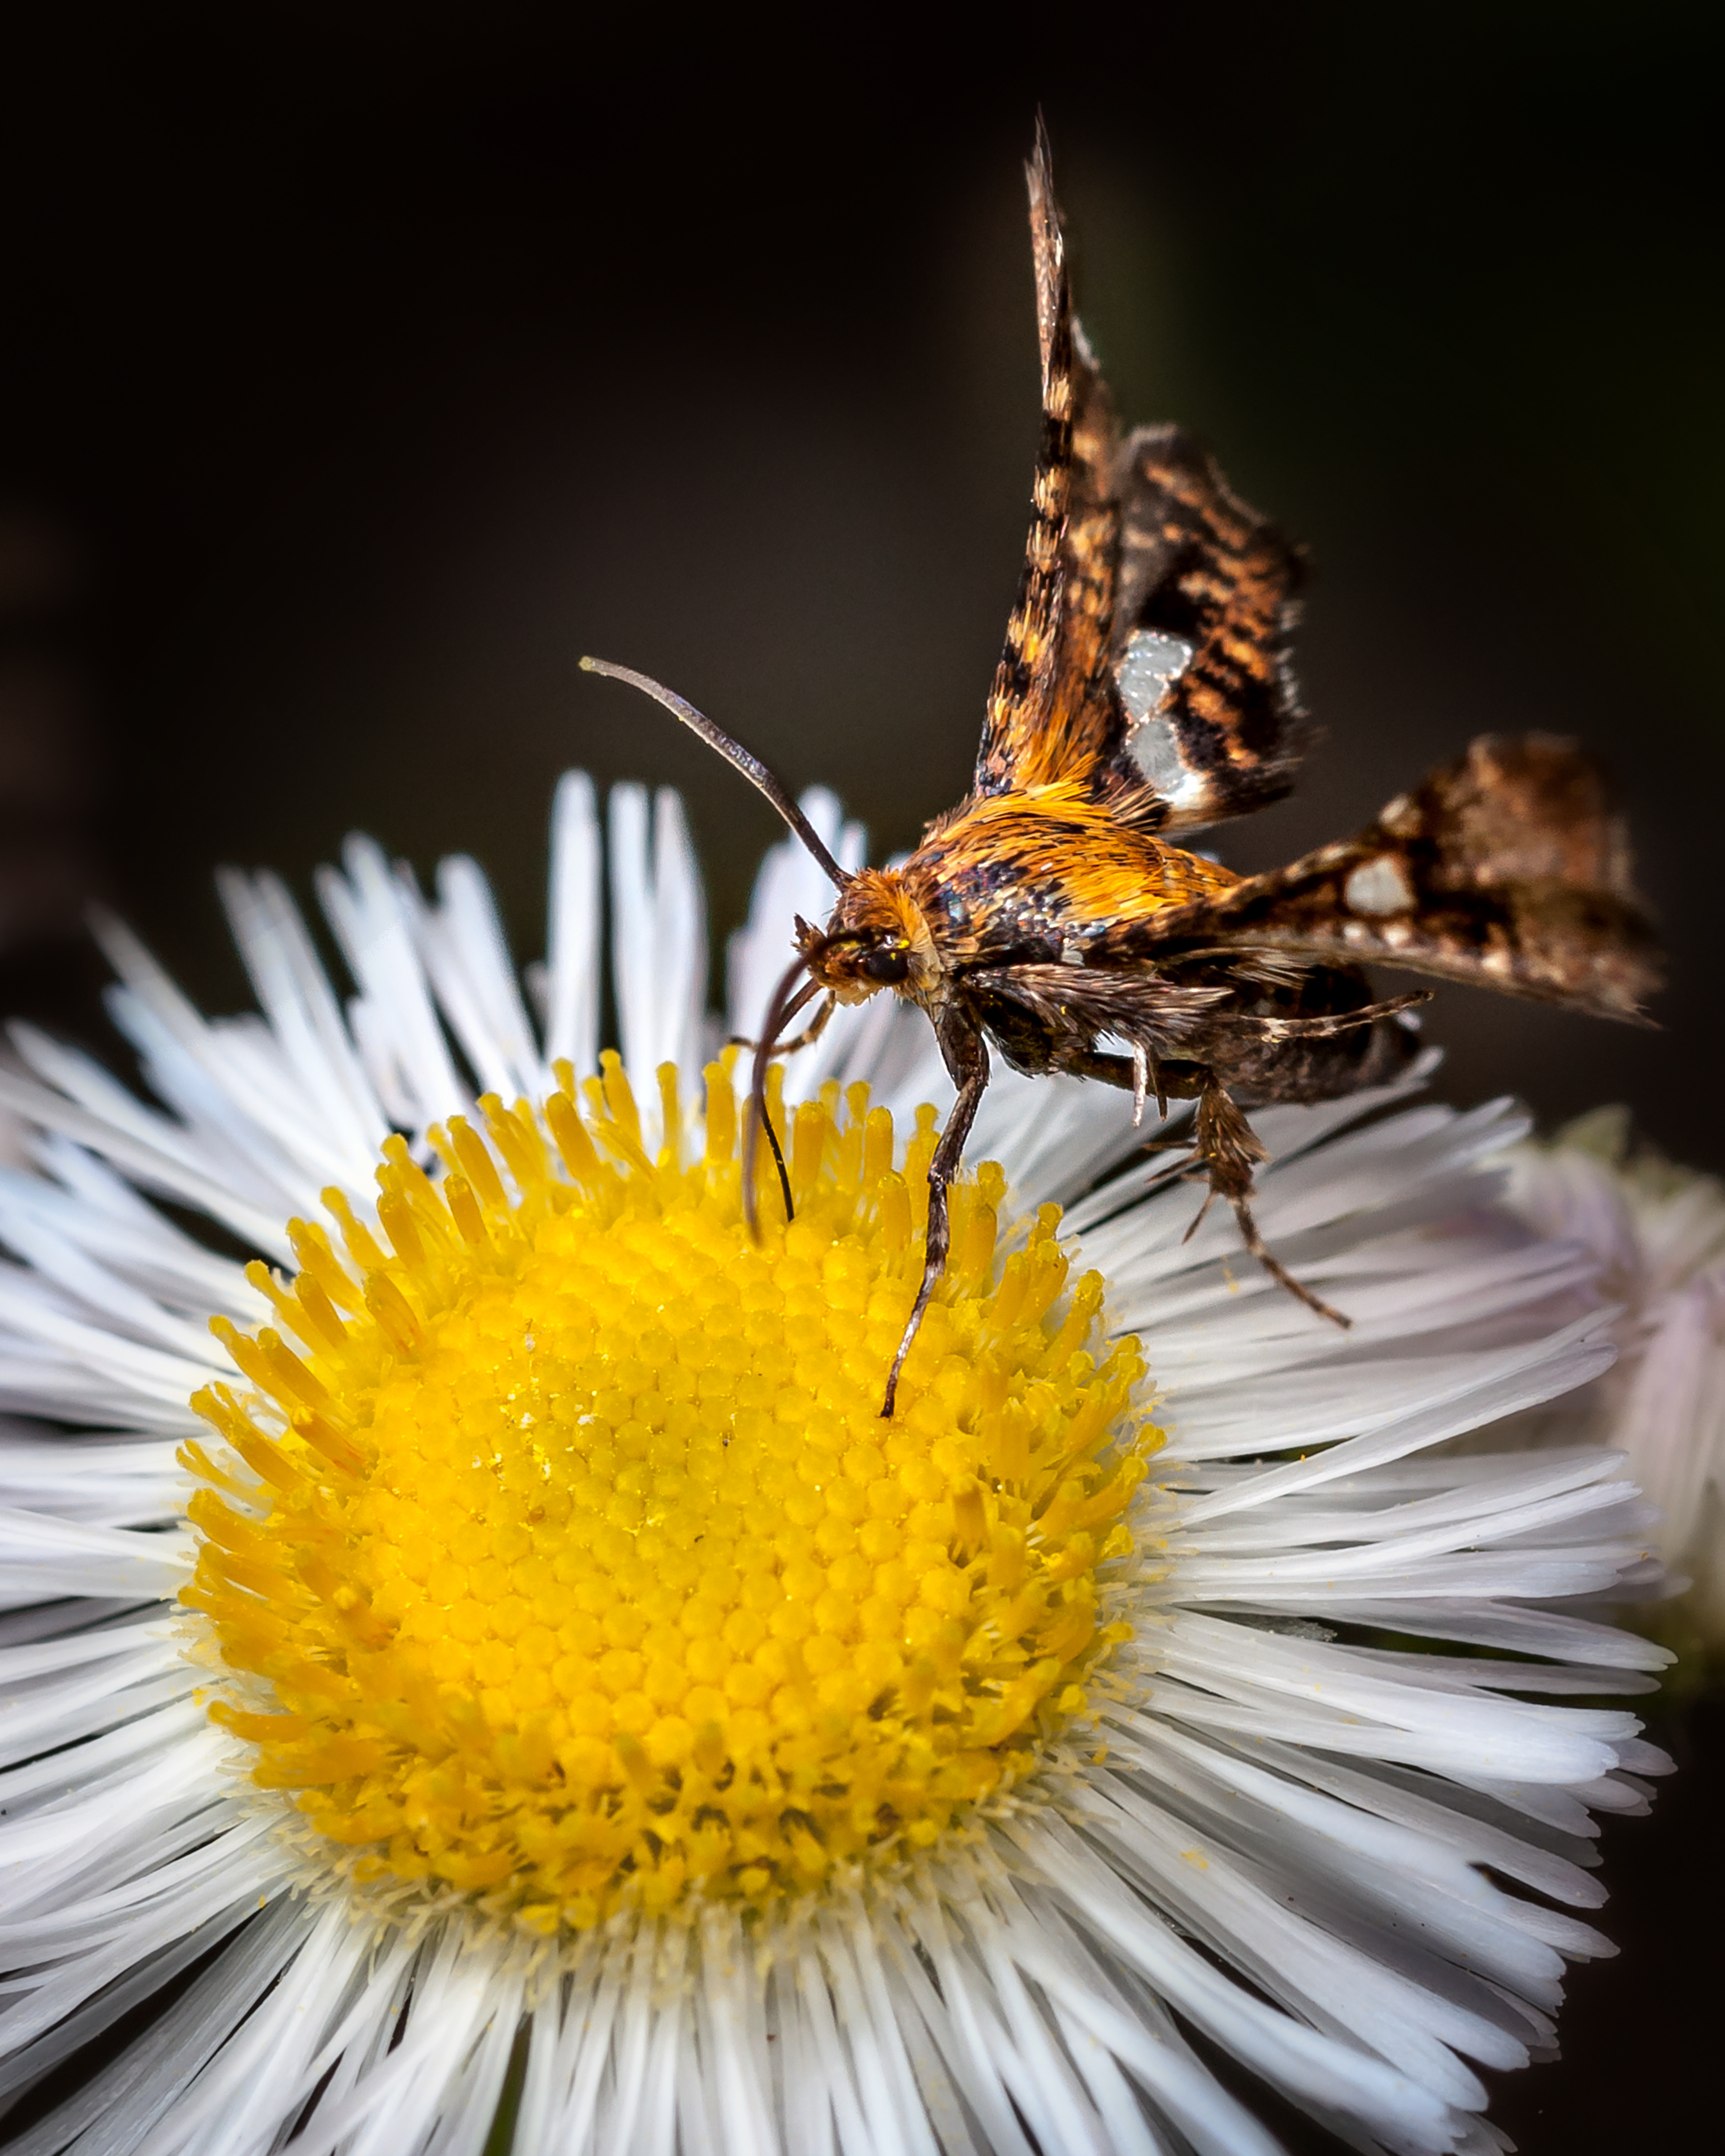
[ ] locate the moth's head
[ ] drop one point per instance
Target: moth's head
(876, 938)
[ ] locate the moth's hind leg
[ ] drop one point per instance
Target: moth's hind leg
(1225, 1144)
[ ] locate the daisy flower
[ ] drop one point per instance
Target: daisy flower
(1657, 1233)
(485, 1667)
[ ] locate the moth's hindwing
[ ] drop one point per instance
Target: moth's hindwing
(1204, 609)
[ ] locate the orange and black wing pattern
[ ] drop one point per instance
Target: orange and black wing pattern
(1505, 869)
(1146, 662)
(1054, 713)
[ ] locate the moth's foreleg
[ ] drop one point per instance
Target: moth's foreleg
(1227, 1147)
(812, 1032)
(971, 1058)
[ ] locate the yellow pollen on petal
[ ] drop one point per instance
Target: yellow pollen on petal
(559, 1552)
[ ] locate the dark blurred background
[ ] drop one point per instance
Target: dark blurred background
(360, 368)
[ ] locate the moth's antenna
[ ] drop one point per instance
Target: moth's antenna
(783, 1009)
(733, 752)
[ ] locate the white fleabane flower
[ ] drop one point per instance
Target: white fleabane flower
(507, 1630)
(1657, 1232)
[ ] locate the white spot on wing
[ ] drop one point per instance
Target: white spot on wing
(1156, 752)
(1378, 886)
(1152, 661)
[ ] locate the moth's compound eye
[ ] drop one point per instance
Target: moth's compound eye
(888, 966)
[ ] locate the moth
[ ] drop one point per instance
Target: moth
(1145, 691)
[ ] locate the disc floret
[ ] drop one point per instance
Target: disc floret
(558, 1551)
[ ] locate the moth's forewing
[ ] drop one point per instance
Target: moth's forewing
(1204, 611)
(1505, 869)
(1051, 713)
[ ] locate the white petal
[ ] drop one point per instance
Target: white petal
(572, 933)
(366, 910)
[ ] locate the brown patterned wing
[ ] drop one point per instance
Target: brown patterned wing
(1052, 710)
(1204, 609)
(1506, 870)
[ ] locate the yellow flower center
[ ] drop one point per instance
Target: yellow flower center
(567, 1557)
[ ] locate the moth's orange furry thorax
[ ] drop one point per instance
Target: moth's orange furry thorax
(1056, 839)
